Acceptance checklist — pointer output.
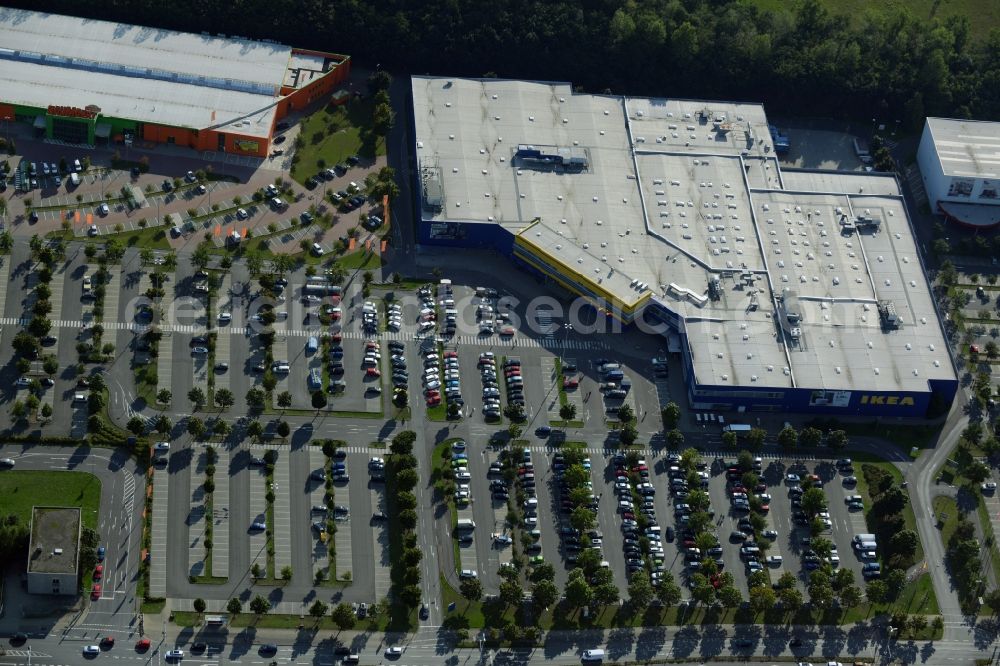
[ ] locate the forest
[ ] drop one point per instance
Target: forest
(884, 64)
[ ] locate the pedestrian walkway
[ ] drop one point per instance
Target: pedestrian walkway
(282, 527)
(525, 343)
(158, 536)
(220, 520)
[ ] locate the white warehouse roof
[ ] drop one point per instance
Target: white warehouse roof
(675, 193)
(967, 147)
(140, 73)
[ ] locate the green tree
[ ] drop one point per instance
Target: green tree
(813, 501)
(640, 592)
(136, 425)
(582, 519)
(578, 590)
(201, 255)
(675, 439)
(511, 592)
(788, 437)
(877, 591)
(904, 543)
(850, 596)
(542, 571)
(755, 438)
(195, 427)
(668, 592)
(199, 605)
(729, 439)
(343, 616)
(284, 399)
(318, 609)
(260, 605)
(762, 599)
(544, 594)
(224, 398)
(976, 472)
(567, 412)
(286, 574)
(234, 606)
(255, 397)
(197, 397)
(791, 599)
(671, 415)
(836, 439)
(163, 424)
(471, 589)
(730, 596)
(163, 396)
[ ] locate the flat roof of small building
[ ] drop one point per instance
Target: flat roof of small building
(140, 73)
(677, 195)
(967, 147)
(55, 540)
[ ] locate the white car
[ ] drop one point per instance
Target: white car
(317, 249)
(225, 317)
(92, 650)
(6, 463)
(989, 487)
(175, 654)
(103, 210)
(162, 446)
(241, 214)
(394, 651)
(792, 478)
(433, 384)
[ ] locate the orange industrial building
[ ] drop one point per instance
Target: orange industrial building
(92, 82)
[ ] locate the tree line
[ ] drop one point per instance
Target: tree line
(807, 60)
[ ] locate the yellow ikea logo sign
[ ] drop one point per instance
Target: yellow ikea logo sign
(904, 401)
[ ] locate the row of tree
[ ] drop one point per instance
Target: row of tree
(885, 518)
(884, 62)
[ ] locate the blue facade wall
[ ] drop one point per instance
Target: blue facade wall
(466, 234)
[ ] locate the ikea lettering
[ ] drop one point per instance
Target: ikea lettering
(899, 401)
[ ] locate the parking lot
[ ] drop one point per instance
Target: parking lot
(787, 547)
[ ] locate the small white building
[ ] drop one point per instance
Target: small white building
(960, 164)
(54, 550)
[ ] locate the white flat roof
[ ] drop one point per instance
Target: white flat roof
(139, 73)
(676, 193)
(967, 147)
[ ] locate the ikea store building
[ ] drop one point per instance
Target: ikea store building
(781, 289)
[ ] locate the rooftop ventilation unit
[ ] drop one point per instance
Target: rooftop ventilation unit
(888, 316)
(714, 288)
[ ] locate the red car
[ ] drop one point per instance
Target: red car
(764, 508)
(95, 592)
(974, 349)
(108, 641)
(433, 402)
(337, 337)
(142, 644)
(373, 372)
(760, 488)
(451, 354)
(570, 383)
(98, 572)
